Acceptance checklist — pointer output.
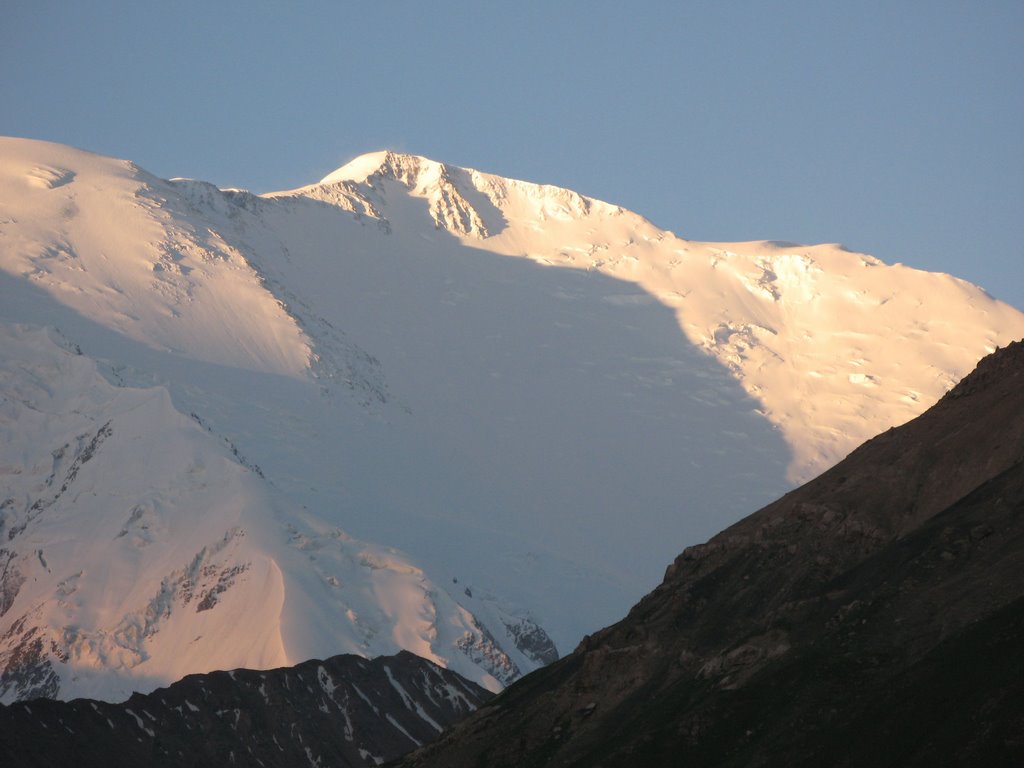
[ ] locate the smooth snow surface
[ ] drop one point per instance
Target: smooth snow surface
(530, 401)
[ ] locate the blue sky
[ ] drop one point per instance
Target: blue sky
(896, 128)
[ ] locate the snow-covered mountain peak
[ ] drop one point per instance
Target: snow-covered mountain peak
(462, 201)
(453, 201)
(385, 164)
(544, 397)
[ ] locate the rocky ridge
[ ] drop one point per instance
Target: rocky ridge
(343, 711)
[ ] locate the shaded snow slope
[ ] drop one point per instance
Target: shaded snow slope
(539, 398)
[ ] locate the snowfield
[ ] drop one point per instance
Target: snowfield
(411, 406)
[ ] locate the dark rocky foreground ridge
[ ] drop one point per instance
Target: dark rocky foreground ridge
(872, 617)
(344, 711)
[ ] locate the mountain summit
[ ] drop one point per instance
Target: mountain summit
(386, 164)
(413, 406)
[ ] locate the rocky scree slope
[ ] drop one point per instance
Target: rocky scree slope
(344, 711)
(873, 616)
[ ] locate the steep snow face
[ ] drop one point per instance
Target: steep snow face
(527, 398)
(123, 525)
(137, 547)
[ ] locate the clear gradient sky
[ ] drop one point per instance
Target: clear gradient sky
(895, 127)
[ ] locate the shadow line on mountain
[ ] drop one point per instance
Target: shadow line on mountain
(595, 366)
(559, 408)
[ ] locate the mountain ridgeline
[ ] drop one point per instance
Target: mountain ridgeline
(344, 712)
(409, 407)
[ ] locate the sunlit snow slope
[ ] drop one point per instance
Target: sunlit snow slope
(529, 400)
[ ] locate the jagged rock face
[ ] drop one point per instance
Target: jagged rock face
(345, 711)
(871, 617)
(532, 641)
